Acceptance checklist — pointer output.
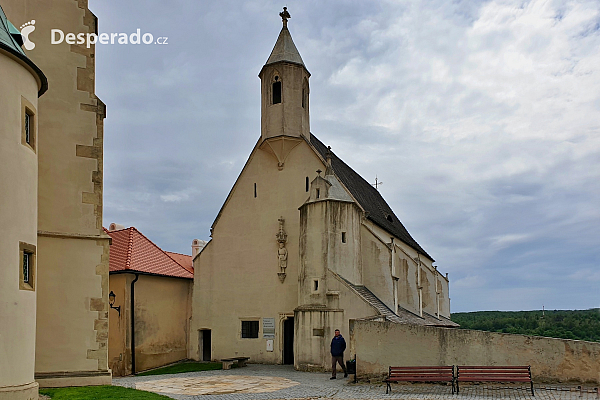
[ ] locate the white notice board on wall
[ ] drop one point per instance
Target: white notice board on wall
(268, 328)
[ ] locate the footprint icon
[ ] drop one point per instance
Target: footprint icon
(26, 29)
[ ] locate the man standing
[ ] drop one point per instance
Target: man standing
(338, 345)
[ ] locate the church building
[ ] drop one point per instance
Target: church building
(303, 244)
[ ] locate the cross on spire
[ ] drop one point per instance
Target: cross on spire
(285, 15)
(377, 183)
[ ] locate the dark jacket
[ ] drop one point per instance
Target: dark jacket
(338, 345)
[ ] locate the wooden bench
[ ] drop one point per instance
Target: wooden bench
(240, 361)
(494, 374)
(420, 374)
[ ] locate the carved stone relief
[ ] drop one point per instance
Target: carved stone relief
(282, 253)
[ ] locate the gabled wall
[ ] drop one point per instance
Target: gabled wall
(236, 274)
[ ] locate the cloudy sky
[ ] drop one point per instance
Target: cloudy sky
(482, 119)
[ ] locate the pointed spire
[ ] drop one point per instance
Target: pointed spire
(285, 49)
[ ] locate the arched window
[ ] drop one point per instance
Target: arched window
(277, 91)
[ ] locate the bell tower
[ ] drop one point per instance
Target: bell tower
(284, 96)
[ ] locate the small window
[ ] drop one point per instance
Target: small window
(28, 134)
(316, 285)
(307, 184)
(26, 266)
(389, 218)
(250, 329)
(276, 91)
(303, 96)
(318, 193)
(255, 190)
(343, 237)
(28, 118)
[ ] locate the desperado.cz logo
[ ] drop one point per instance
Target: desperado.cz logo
(57, 36)
(26, 29)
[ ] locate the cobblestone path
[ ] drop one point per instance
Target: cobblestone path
(264, 382)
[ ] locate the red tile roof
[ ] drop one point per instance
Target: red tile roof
(183, 259)
(132, 251)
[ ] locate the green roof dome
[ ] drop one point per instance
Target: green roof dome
(11, 41)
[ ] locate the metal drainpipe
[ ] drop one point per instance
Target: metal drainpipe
(419, 286)
(132, 293)
(437, 293)
(394, 279)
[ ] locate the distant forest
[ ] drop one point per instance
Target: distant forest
(566, 324)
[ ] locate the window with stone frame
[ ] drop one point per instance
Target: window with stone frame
(28, 132)
(27, 266)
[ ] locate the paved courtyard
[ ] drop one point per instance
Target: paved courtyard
(283, 382)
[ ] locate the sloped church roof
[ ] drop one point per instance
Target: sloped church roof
(368, 197)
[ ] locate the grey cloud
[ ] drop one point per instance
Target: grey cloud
(479, 117)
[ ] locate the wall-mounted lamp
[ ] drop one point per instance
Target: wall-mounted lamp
(111, 301)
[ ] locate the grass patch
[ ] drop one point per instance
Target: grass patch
(99, 393)
(190, 366)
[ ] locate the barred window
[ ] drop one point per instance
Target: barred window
(250, 329)
(27, 267)
(27, 127)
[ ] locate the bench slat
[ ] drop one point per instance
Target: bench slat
(492, 374)
(492, 367)
(421, 374)
(498, 372)
(464, 377)
(413, 368)
(421, 378)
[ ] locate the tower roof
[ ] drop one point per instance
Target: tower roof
(285, 50)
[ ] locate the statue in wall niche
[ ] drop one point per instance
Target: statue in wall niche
(282, 253)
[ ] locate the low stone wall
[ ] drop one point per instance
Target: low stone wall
(378, 345)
